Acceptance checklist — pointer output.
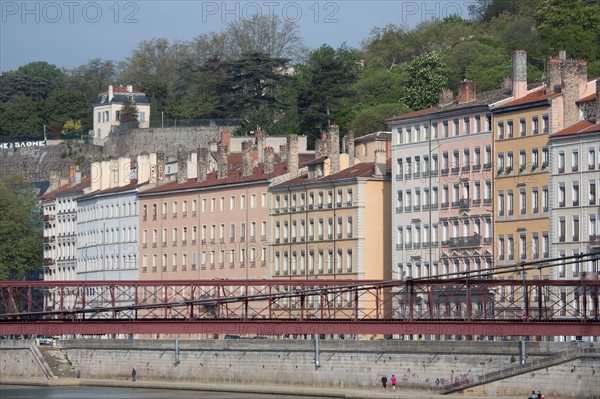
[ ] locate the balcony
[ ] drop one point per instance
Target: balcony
(407, 208)
(466, 168)
(48, 218)
(455, 204)
(595, 240)
(476, 167)
(455, 170)
(464, 203)
(476, 202)
(561, 204)
(487, 240)
(464, 242)
(576, 203)
(48, 261)
(398, 247)
(50, 239)
(576, 238)
(407, 246)
(487, 166)
(561, 169)
(399, 209)
(184, 242)
(407, 176)
(444, 205)
(561, 239)
(444, 172)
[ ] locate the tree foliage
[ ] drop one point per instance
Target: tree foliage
(21, 247)
(427, 75)
(129, 112)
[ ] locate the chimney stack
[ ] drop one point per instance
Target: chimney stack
(261, 143)
(350, 146)
(333, 133)
(143, 167)
(283, 153)
(445, 97)
(202, 164)
(222, 162)
(72, 173)
(111, 93)
(182, 166)
(55, 178)
(292, 156)
(519, 73)
(129, 88)
(466, 91)
(570, 91)
(269, 160)
(379, 168)
(506, 84)
(598, 101)
(247, 161)
(553, 75)
(160, 167)
(226, 138)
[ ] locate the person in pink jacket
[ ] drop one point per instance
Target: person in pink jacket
(393, 382)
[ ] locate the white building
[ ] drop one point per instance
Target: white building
(107, 110)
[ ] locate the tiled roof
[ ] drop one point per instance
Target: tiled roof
(583, 127)
(85, 183)
(481, 99)
(374, 136)
(315, 161)
(591, 97)
(233, 176)
(133, 184)
(534, 96)
(364, 169)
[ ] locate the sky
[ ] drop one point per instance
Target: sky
(69, 33)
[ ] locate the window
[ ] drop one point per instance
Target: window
(477, 124)
(534, 200)
(522, 127)
(534, 125)
(522, 202)
(574, 161)
(534, 159)
(466, 125)
(561, 229)
(522, 161)
(592, 193)
(561, 195)
(575, 193)
(509, 129)
(509, 203)
(592, 159)
(575, 226)
(500, 204)
(445, 128)
(545, 157)
(232, 202)
(545, 124)
(561, 162)
(455, 127)
(500, 131)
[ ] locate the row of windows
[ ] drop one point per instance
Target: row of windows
(574, 191)
(214, 259)
(506, 130)
(313, 262)
(529, 247)
(448, 267)
(104, 116)
(465, 160)
(447, 128)
(572, 233)
(114, 235)
(99, 212)
(575, 163)
(506, 202)
(527, 162)
(455, 234)
(209, 234)
(294, 200)
(207, 205)
(296, 230)
(106, 263)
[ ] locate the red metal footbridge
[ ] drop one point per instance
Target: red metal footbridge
(476, 304)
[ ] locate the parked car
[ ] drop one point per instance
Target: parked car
(45, 340)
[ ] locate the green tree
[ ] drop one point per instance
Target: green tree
(427, 75)
(21, 247)
(22, 117)
(324, 86)
(129, 113)
(372, 119)
(41, 69)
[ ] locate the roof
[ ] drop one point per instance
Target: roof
(132, 185)
(386, 136)
(482, 99)
(586, 99)
(364, 169)
(315, 161)
(120, 95)
(533, 96)
(583, 127)
(122, 89)
(233, 177)
(65, 189)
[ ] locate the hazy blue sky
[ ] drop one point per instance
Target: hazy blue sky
(69, 33)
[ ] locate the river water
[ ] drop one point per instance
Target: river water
(33, 392)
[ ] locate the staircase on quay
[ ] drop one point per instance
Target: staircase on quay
(54, 362)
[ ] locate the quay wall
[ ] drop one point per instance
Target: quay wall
(342, 364)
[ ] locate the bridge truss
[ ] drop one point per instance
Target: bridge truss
(457, 306)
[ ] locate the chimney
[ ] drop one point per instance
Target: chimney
(77, 176)
(269, 160)
(519, 73)
(583, 77)
(129, 88)
(143, 167)
(445, 97)
(333, 133)
(506, 84)
(212, 145)
(380, 163)
(553, 75)
(261, 142)
(160, 166)
(202, 164)
(182, 166)
(570, 92)
(598, 101)
(111, 93)
(320, 149)
(292, 156)
(55, 179)
(247, 161)
(222, 162)
(283, 152)
(72, 172)
(350, 146)
(466, 91)
(226, 138)
(562, 55)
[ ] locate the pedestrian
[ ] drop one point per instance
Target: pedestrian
(533, 395)
(541, 396)
(133, 374)
(393, 382)
(384, 382)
